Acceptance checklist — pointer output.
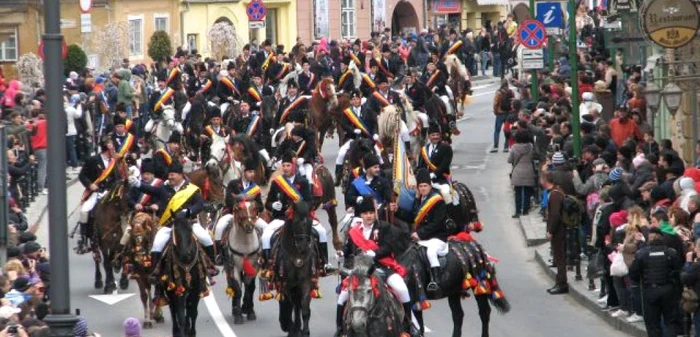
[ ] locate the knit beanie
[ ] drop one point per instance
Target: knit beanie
(618, 218)
(558, 158)
(615, 174)
(81, 328)
(132, 327)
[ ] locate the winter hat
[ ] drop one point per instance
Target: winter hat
(365, 204)
(81, 328)
(687, 184)
(615, 174)
(558, 158)
(132, 327)
(638, 160)
(618, 218)
(423, 176)
(658, 193)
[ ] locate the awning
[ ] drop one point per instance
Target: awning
(447, 6)
(492, 2)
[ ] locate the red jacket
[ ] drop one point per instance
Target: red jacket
(38, 138)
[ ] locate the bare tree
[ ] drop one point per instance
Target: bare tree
(111, 43)
(30, 69)
(224, 40)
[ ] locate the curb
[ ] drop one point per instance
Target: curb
(44, 210)
(530, 242)
(636, 330)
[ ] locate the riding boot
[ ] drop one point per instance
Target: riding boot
(434, 279)
(327, 267)
(82, 242)
(219, 260)
(155, 259)
(210, 253)
(339, 320)
(407, 146)
(407, 323)
(338, 174)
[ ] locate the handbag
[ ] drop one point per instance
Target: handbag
(618, 267)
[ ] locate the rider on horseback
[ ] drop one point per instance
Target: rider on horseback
(384, 97)
(375, 239)
(288, 105)
(183, 198)
(228, 88)
(165, 157)
(238, 190)
(429, 217)
(436, 157)
(358, 121)
(435, 77)
(370, 184)
(287, 189)
(345, 78)
(162, 96)
(124, 142)
(369, 81)
(303, 143)
(257, 91)
(215, 127)
(97, 176)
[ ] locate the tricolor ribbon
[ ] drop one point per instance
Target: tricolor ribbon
(425, 208)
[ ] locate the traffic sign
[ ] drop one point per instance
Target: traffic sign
(533, 59)
(256, 24)
(256, 10)
(64, 50)
(85, 5)
(551, 15)
(532, 34)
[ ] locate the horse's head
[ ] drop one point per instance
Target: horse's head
(182, 238)
(168, 116)
(326, 88)
(141, 228)
(299, 227)
(363, 290)
(246, 213)
(218, 153)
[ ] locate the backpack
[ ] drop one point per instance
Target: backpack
(571, 211)
(506, 100)
(689, 300)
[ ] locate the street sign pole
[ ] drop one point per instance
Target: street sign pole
(573, 48)
(60, 321)
(534, 85)
(551, 44)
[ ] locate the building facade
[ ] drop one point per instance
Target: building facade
(351, 19)
(463, 14)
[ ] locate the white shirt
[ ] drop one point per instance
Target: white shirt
(105, 161)
(366, 231)
(357, 111)
(178, 187)
(431, 149)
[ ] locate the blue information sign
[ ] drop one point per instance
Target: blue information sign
(550, 14)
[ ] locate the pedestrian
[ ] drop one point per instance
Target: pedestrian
(656, 267)
(522, 175)
(556, 232)
(502, 105)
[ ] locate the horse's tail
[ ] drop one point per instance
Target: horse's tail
(498, 297)
(486, 275)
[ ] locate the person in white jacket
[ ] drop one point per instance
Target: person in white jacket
(73, 110)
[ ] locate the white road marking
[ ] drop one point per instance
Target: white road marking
(218, 316)
(484, 93)
(111, 299)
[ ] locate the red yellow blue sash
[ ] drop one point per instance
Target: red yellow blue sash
(253, 190)
(454, 47)
(283, 72)
(369, 81)
(343, 78)
(128, 124)
(250, 131)
(291, 107)
(206, 87)
(267, 61)
(432, 78)
(381, 99)
(145, 197)
(354, 58)
(288, 189)
(168, 158)
(228, 83)
(356, 121)
(164, 98)
(105, 173)
(126, 146)
(253, 92)
(426, 159)
(173, 75)
(426, 207)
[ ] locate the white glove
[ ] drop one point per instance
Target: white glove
(235, 101)
(277, 206)
(300, 162)
(134, 181)
(370, 253)
(375, 137)
(275, 165)
(258, 104)
(272, 131)
(350, 210)
(432, 175)
(357, 131)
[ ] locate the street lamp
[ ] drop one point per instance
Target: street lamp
(672, 97)
(653, 95)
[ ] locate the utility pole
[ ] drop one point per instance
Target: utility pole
(4, 197)
(60, 320)
(573, 48)
(534, 85)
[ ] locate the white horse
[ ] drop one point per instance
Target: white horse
(161, 128)
(390, 119)
(294, 74)
(221, 158)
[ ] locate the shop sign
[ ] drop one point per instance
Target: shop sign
(670, 23)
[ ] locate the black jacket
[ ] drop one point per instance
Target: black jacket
(368, 117)
(433, 224)
(224, 92)
(276, 194)
(305, 148)
(206, 86)
(380, 185)
(92, 169)
(287, 103)
(376, 105)
(307, 82)
(235, 189)
(348, 84)
(265, 91)
(655, 264)
(136, 195)
(381, 234)
(165, 192)
(441, 158)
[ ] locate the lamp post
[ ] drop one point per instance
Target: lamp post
(652, 92)
(60, 320)
(672, 95)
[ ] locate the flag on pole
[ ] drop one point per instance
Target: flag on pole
(404, 179)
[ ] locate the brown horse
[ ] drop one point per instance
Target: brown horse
(212, 189)
(324, 112)
(138, 261)
(459, 82)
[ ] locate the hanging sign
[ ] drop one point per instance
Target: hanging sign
(85, 5)
(670, 23)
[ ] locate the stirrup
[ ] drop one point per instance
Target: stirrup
(432, 286)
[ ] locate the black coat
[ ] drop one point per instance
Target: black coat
(433, 224)
(380, 185)
(196, 85)
(165, 192)
(441, 158)
(276, 194)
(367, 116)
(235, 188)
(136, 194)
(155, 97)
(92, 169)
(348, 84)
(307, 82)
(265, 91)
(368, 85)
(382, 235)
(305, 148)
(419, 93)
(224, 92)
(284, 104)
(376, 105)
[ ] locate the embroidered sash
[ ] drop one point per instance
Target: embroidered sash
(228, 83)
(168, 158)
(432, 78)
(426, 207)
(253, 190)
(253, 92)
(292, 106)
(145, 197)
(343, 78)
(383, 101)
(288, 189)
(164, 98)
(253, 126)
(177, 201)
(454, 47)
(365, 245)
(369, 81)
(173, 75)
(126, 146)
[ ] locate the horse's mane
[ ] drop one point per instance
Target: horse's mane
(453, 63)
(250, 147)
(363, 265)
(358, 149)
(388, 121)
(408, 106)
(356, 75)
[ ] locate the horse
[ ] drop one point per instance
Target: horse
(242, 147)
(389, 122)
(108, 219)
(268, 108)
(466, 267)
(182, 275)
(295, 257)
(324, 105)
(241, 253)
(160, 129)
(358, 149)
(139, 263)
(459, 82)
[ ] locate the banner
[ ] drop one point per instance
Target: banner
(321, 19)
(447, 6)
(378, 15)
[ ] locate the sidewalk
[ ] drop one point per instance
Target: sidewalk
(37, 212)
(534, 231)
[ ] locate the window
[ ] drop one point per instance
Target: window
(8, 48)
(191, 42)
(347, 19)
(161, 22)
(136, 35)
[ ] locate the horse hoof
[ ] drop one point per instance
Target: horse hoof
(124, 283)
(306, 333)
(238, 320)
(99, 284)
(160, 320)
(147, 325)
(251, 316)
(110, 288)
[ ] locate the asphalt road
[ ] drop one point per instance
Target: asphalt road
(534, 312)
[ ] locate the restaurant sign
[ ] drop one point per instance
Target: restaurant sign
(670, 23)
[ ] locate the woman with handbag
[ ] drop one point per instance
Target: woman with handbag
(522, 176)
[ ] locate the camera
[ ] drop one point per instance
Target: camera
(12, 329)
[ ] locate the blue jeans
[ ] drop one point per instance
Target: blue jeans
(484, 62)
(522, 199)
(500, 119)
(72, 153)
(497, 66)
(129, 111)
(696, 323)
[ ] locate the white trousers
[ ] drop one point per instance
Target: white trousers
(224, 222)
(308, 171)
(448, 104)
(346, 147)
(88, 205)
(396, 285)
(436, 247)
(163, 235)
(274, 225)
(449, 92)
(265, 156)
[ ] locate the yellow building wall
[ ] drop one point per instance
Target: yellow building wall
(28, 36)
(474, 16)
(70, 14)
